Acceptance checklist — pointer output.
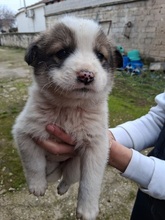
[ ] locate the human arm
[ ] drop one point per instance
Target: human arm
(146, 171)
(142, 132)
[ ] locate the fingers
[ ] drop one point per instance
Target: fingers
(56, 131)
(54, 147)
(66, 147)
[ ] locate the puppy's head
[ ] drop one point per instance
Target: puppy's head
(73, 57)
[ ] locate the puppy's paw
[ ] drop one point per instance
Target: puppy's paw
(85, 213)
(62, 187)
(38, 189)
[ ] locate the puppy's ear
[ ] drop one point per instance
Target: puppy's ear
(118, 59)
(31, 55)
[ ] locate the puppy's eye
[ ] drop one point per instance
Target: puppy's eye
(100, 56)
(62, 54)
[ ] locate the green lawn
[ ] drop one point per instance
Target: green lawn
(133, 96)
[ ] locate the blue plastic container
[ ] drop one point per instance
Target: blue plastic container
(137, 64)
(126, 60)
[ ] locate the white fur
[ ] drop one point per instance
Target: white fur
(83, 115)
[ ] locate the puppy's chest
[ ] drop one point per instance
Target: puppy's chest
(77, 122)
(71, 119)
(83, 124)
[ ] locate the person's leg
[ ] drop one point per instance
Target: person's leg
(158, 209)
(142, 207)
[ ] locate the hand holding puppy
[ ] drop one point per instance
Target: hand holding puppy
(119, 158)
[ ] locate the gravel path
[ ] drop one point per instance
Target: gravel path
(115, 203)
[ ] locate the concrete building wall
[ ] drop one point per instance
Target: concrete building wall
(31, 20)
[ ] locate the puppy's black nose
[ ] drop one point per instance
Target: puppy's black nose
(85, 76)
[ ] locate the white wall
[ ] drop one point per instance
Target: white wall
(30, 25)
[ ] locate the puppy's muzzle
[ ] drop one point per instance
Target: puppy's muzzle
(85, 77)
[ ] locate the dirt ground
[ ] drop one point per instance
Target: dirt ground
(115, 203)
(116, 199)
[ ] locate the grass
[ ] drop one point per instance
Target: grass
(131, 97)
(12, 102)
(13, 57)
(13, 93)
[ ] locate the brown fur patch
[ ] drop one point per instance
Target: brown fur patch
(60, 37)
(42, 52)
(102, 46)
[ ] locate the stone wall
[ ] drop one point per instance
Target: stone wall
(16, 39)
(133, 24)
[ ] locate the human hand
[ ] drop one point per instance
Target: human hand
(120, 155)
(66, 146)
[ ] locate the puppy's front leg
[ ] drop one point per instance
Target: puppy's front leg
(92, 169)
(34, 164)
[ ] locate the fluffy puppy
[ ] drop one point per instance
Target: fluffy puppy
(73, 74)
